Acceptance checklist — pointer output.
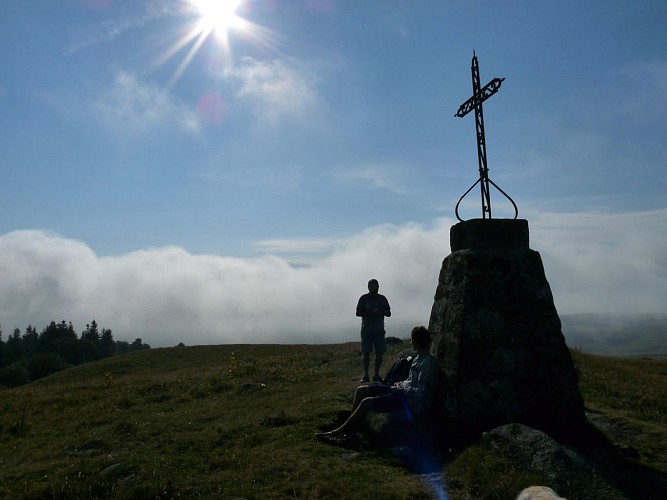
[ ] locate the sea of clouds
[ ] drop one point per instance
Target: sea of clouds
(305, 291)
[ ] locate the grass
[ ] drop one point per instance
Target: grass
(632, 395)
(238, 421)
(211, 421)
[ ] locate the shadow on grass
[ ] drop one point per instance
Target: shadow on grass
(580, 463)
(618, 464)
(412, 443)
(418, 446)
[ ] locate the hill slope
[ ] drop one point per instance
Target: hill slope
(238, 422)
(216, 421)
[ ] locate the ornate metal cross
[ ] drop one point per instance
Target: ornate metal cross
(479, 95)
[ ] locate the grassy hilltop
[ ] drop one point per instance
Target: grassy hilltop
(238, 421)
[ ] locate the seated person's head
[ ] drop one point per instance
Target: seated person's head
(421, 337)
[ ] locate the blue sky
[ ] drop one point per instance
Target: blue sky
(245, 186)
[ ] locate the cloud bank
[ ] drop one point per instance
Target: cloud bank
(594, 263)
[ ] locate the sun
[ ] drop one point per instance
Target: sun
(218, 16)
(214, 21)
(213, 17)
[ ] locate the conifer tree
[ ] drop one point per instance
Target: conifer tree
(30, 341)
(107, 344)
(14, 347)
(3, 361)
(91, 333)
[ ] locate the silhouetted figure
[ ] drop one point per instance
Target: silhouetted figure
(372, 308)
(412, 396)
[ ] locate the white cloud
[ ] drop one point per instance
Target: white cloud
(166, 295)
(139, 106)
(594, 263)
(310, 248)
(108, 30)
(604, 262)
(104, 32)
(374, 176)
(277, 90)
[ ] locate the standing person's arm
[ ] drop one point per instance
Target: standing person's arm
(387, 309)
(360, 307)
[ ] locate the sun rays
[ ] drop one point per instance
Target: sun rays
(218, 17)
(211, 21)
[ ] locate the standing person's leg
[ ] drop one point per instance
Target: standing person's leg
(366, 349)
(366, 364)
(380, 347)
(378, 364)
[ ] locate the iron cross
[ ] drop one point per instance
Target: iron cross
(479, 95)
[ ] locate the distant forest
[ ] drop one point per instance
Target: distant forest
(30, 356)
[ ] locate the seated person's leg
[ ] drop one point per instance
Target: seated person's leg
(362, 392)
(378, 398)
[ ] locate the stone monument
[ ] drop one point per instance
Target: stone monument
(497, 335)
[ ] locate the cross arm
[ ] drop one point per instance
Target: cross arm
(489, 89)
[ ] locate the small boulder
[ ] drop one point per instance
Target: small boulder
(533, 450)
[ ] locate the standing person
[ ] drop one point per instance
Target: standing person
(372, 308)
(413, 396)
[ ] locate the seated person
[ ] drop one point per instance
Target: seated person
(413, 395)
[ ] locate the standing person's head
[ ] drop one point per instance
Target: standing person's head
(373, 286)
(421, 337)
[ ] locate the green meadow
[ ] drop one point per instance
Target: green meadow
(238, 421)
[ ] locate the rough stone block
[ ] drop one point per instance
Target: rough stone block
(497, 334)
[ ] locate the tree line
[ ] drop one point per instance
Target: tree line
(28, 356)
